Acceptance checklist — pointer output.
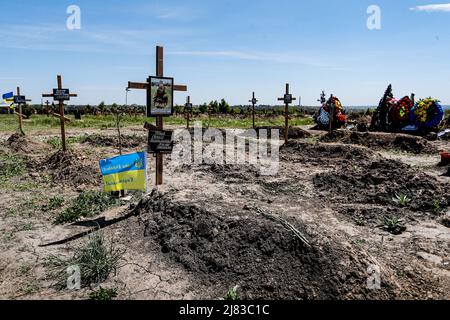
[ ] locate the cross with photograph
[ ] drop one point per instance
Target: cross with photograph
(161, 97)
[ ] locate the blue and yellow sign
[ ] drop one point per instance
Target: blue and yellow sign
(128, 172)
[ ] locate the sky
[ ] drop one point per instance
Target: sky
(228, 49)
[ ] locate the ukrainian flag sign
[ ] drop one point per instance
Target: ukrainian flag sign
(128, 172)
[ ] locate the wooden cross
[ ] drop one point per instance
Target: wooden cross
(159, 119)
(61, 100)
(331, 110)
(287, 100)
(254, 101)
(19, 114)
(188, 110)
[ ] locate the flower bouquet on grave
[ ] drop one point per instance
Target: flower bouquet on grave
(427, 114)
(399, 112)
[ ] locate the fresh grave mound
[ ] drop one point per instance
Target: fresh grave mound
(69, 168)
(447, 174)
(380, 182)
(23, 144)
(260, 255)
(232, 173)
(294, 133)
(128, 141)
(381, 141)
(388, 218)
(325, 154)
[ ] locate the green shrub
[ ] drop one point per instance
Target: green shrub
(97, 259)
(88, 204)
(103, 294)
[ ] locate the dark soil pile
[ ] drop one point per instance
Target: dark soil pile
(380, 181)
(447, 174)
(128, 141)
(22, 144)
(232, 173)
(380, 141)
(70, 168)
(325, 154)
(235, 247)
(294, 133)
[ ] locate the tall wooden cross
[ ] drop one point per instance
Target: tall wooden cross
(188, 110)
(19, 101)
(60, 95)
(332, 113)
(287, 101)
(159, 119)
(254, 101)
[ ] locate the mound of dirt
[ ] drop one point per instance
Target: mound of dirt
(381, 141)
(325, 154)
(72, 169)
(22, 144)
(128, 141)
(260, 255)
(447, 174)
(232, 173)
(380, 181)
(294, 133)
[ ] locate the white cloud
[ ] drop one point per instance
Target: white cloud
(444, 7)
(253, 56)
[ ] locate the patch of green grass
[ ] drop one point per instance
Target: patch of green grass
(24, 270)
(360, 222)
(29, 226)
(232, 295)
(88, 204)
(56, 142)
(103, 294)
(402, 200)
(8, 123)
(31, 288)
(97, 259)
(11, 166)
(53, 203)
(22, 185)
(9, 236)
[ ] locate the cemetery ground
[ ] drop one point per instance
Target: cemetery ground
(340, 206)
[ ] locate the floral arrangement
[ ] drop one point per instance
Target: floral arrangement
(399, 112)
(427, 113)
(323, 117)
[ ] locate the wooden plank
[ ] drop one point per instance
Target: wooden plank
(180, 88)
(59, 116)
(18, 114)
(137, 85)
(47, 95)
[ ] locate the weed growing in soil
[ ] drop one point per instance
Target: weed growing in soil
(88, 204)
(56, 143)
(31, 288)
(53, 203)
(97, 259)
(393, 225)
(232, 295)
(401, 200)
(103, 294)
(11, 166)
